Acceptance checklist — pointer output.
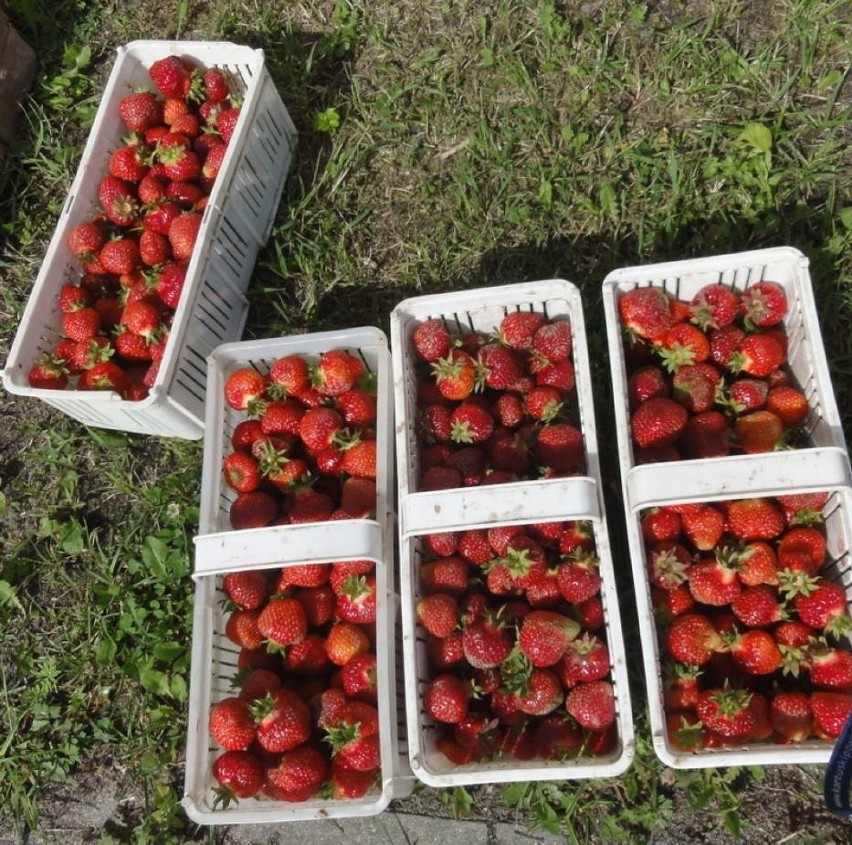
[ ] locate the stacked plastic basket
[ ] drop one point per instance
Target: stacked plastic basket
(817, 465)
(236, 223)
(558, 501)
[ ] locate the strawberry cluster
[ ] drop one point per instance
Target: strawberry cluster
(302, 719)
(496, 408)
(749, 622)
(517, 655)
(306, 451)
(709, 377)
(134, 252)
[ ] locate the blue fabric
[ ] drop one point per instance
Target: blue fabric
(838, 775)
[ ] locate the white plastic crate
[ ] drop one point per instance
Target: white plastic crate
(522, 502)
(806, 362)
(428, 763)
(236, 223)
(213, 668)
(838, 525)
(219, 549)
(482, 310)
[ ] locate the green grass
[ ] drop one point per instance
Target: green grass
(442, 146)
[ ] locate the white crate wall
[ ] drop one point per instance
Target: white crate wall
(236, 223)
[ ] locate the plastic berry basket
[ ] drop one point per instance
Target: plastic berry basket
(806, 364)
(482, 310)
(213, 670)
(430, 765)
(517, 503)
(837, 520)
(219, 549)
(235, 225)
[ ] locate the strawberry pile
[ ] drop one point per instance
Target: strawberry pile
(132, 255)
(709, 377)
(750, 626)
(306, 450)
(302, 719)
(515, 641)
(496, 408)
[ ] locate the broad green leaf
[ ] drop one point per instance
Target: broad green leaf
(758, 135)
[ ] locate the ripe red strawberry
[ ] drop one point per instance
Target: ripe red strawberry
(586, 659)
(646, 312)
(245, 389)
(187, 195)
(487, 641)
(552, 343)
(660, 524)
(713, 581)
(240, 774)
(455, 375)
(758, 606)
(356, 599)
(308, 657)
(693, 388)
(354, 737)
(216, 86)
(759, 431)
(757, 564)
(299, 771)
(438, 613)
(518, 328)
(668, 564)
(444, 544)
(119, 256)
(170, 282)
(803, 508)
(118, 201)
(822, 606)
(681, 686)
(283, 721)
(347, 783)
(256, 682)
(746, 395)
(344, 641)
(471, 422)
(592, 705)
(154, 248)
(283, 622)
(159, 217)
(336, 372)
(831, 711)
(248, 589)
(431, 340)
(560, 447)
(172, 76)
(447, 699)
(648, 382)
(544, 637)
(684, 731)
(140, 111)
(714, 306)
(790, 714)
(682, 345)
(726, 713)
(129, 163)
(498, 367)
(48, 373)
(578, 577)
(358, 407)
(232, 724)
(669, 604)
(81, 324)
(183, 232)
(103, 376)
(541, 693)
(764, 304)
(806, 540)
(693, 639)
(757, 355)
(755, 652)
(831, 668)
(309, 506)
(359, 460)
(754, 519)
(478, 733)
(86, 239)
(226, 122)
(359, 676)
(703, 526)
(241, 629)
(318, 428)
(254, 509)
(790, 405)
(446, 575)
(658, 422)
(291, 373)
